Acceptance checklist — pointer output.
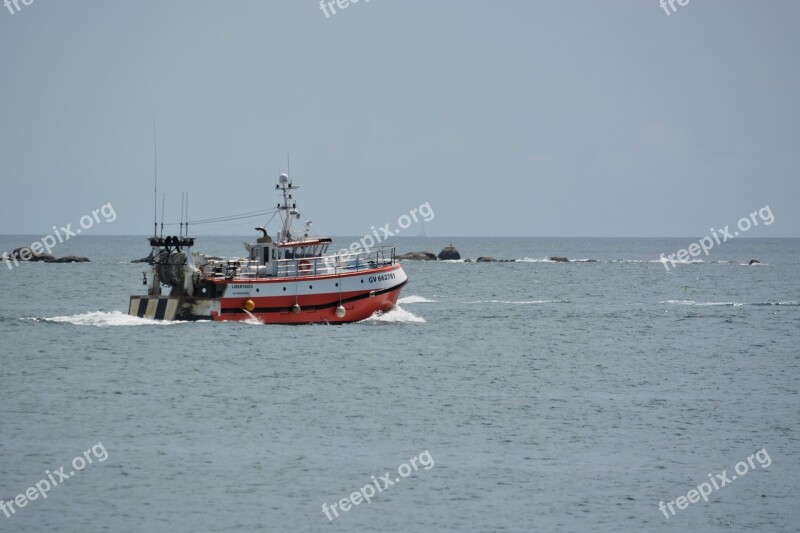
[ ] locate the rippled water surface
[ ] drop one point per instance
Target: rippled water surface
(550, 396)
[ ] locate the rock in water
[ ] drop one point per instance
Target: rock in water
(449, 253)
(71, 259)
(486, 259)
(559, 259)
(755, 262)
(26, 254)
(417, 256)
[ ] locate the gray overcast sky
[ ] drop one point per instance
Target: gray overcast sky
(520, 118)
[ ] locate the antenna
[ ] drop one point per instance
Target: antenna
(180, 233)
(155, 181)
(187, 214)
(163, 199)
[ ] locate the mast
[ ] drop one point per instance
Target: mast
(289, 207)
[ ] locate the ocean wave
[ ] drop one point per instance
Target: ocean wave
(519, 302)
(638, 261)
(415, 300)
(687, 262)
(107, 319)
(396, 315)
(253, 320)
(531, 260)
(550, 260)
(702, 304)
(790, 303)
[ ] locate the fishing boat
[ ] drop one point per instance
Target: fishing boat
(291, 279)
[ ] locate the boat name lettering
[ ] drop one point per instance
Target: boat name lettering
(241, 286)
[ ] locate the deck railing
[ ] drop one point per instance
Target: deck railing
(336, 264)
(302, 266)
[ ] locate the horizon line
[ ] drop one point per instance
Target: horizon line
(427, 236)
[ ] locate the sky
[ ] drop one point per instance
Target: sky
(509, 118)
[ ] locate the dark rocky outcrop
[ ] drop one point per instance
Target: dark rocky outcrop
(429, 256)
(754, 262)
(70, 259)
(562, 259)
(25, 254)
(449, 253)
(417, 256)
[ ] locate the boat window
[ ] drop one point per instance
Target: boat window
(266, 255)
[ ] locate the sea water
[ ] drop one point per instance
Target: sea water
(548, 396)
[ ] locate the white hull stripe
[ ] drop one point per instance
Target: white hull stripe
(336, 301)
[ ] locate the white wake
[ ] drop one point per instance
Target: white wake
(108, 319)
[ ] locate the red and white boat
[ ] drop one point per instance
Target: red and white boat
(288, 280)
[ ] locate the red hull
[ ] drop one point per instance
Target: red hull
(314, 309)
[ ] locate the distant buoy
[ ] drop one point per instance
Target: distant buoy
(249, 305)
(340, 312)
(296, 309)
